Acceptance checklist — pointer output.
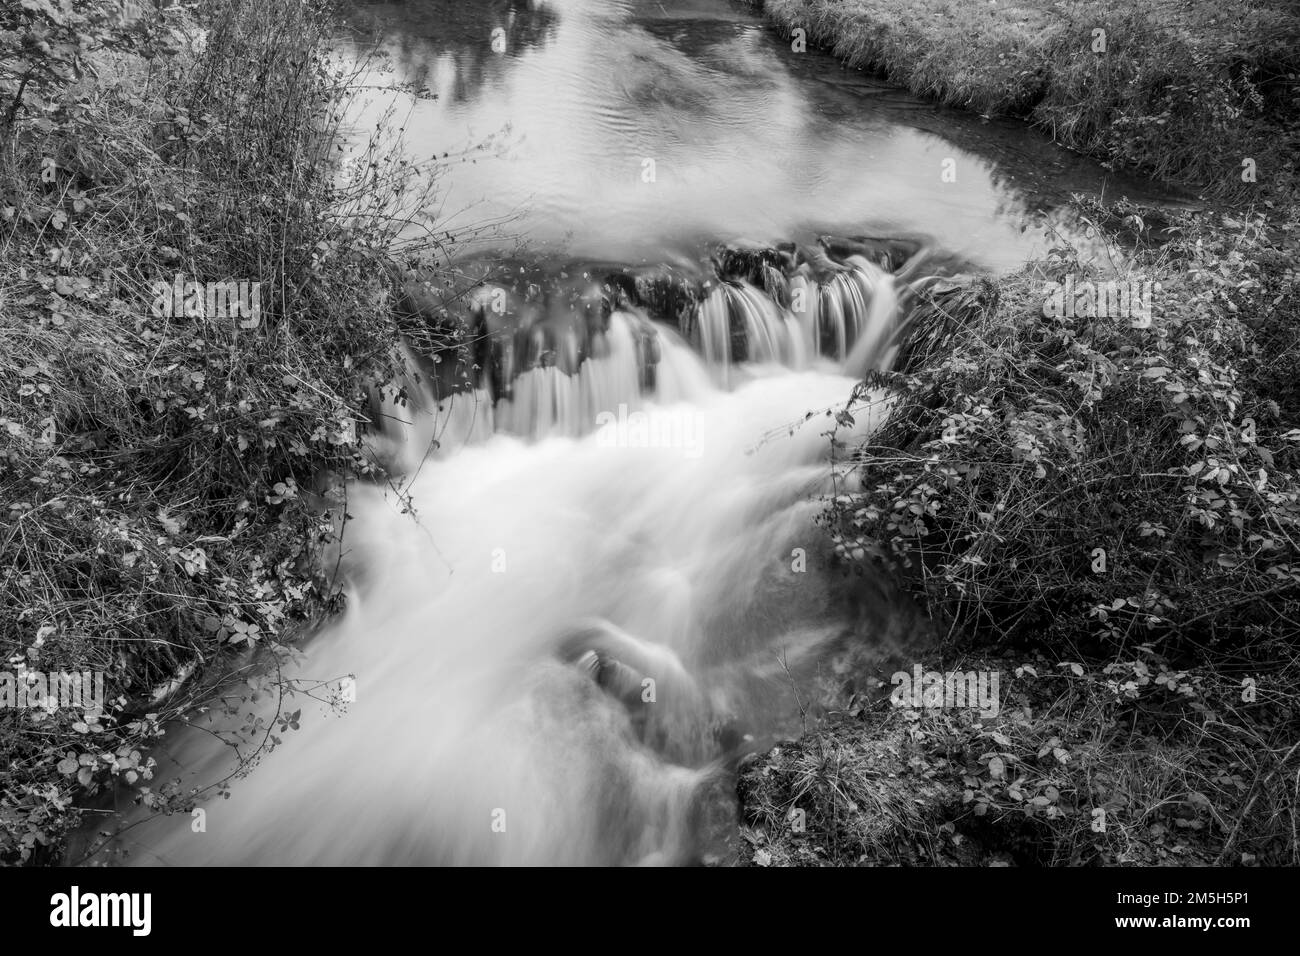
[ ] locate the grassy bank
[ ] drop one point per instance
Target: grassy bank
(1099, 508)
(1180, 89)
(161, 491)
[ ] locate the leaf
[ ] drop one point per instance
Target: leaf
(68, 766)
(170, 524)
(997, 768)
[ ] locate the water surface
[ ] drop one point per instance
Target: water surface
(747, 138)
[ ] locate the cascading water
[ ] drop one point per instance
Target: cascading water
(570, 542)
(620, 483)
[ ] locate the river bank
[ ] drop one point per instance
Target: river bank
(1095, 499)
(194, 309)
(1175, 90)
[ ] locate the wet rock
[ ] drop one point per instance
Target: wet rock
(747, 261)
(670, 295)
(889, 254)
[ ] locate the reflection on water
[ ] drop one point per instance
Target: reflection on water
(747, 138)
(445, 47)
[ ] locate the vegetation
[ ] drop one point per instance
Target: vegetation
(165, 490)
(1179, 89)
(1136, 762)
(1107, 515)
(1106, 483)
(1101, 508)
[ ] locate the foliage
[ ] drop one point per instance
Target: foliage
(171, 484)
(1120, 501)
(1093, 485)
(1133, 763)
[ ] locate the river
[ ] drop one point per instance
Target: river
(600, 582)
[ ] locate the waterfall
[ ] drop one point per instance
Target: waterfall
(847, 317)
(587, 598)
(576, 346)
(873, 324)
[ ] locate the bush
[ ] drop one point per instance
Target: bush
(161, 518)
(1088, 484)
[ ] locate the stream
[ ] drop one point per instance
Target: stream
(599, 581)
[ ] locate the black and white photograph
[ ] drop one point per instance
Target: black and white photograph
(708, 434)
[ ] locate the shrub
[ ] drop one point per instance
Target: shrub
(1022, 447)
(160, 518)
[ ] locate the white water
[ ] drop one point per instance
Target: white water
(856, 306)
(474, 738)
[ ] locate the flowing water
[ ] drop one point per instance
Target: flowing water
(598, 582)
